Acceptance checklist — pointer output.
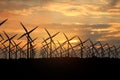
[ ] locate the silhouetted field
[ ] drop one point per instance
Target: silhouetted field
(60, 68)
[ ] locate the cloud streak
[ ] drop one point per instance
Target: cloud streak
(97, 19)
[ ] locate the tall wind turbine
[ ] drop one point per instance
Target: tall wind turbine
(27, 34)
(93, 48)
(45, 47)
(10, 42)
(51, 40)
(31, 46)
(16, 45)
(61, 49)
(69, 44)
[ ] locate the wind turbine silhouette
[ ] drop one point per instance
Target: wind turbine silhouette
(16, 45)
(64, 44)
(45, 47)
(31, 46)
(81, 47)
(93, 48)
(10, 42)
(69, 44)
(43, 52)
(27, 34)
(117, 52)
(114, 52)
(51, 40)
(4, 50)
(61, 49)
(109, 50)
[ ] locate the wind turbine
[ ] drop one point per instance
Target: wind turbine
(22, 52)
(117, 50)
(114, 52)
(16, 45)
(109, 50)
(27, 34)
(81, 46)
(4, 50)
(9, 44)
(51, 40)
(93, 48)
(69, 44)
(32, 53)
(63, 44)
(61, 49)
(45, 47)
(31, 46)
(44, 51)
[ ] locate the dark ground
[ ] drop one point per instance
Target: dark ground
(60, 69)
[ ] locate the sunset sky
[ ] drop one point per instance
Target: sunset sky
(94, 19)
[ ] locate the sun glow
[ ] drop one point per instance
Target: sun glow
(74, 41)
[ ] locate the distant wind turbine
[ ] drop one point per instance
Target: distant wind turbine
(51, 40)
(10, 42)
(27, 34)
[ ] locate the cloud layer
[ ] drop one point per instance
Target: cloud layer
(97, 19)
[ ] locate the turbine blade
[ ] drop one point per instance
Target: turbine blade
(24, 27)
(24, 45)
(51, 37)
(13, 37)
(65, 36)
(32, 30)
(18, 43)
(64, 43)
(21, 36)
(47, 32)
(3, 22)
(5, 41)
(79, 39)
(1, 37)
(33, 40)
(46, 39)
(55, 34)
(6, 34)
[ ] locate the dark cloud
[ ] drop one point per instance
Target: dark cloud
(98, 26)
(11, 5)
(21, 4)
(110, 4)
